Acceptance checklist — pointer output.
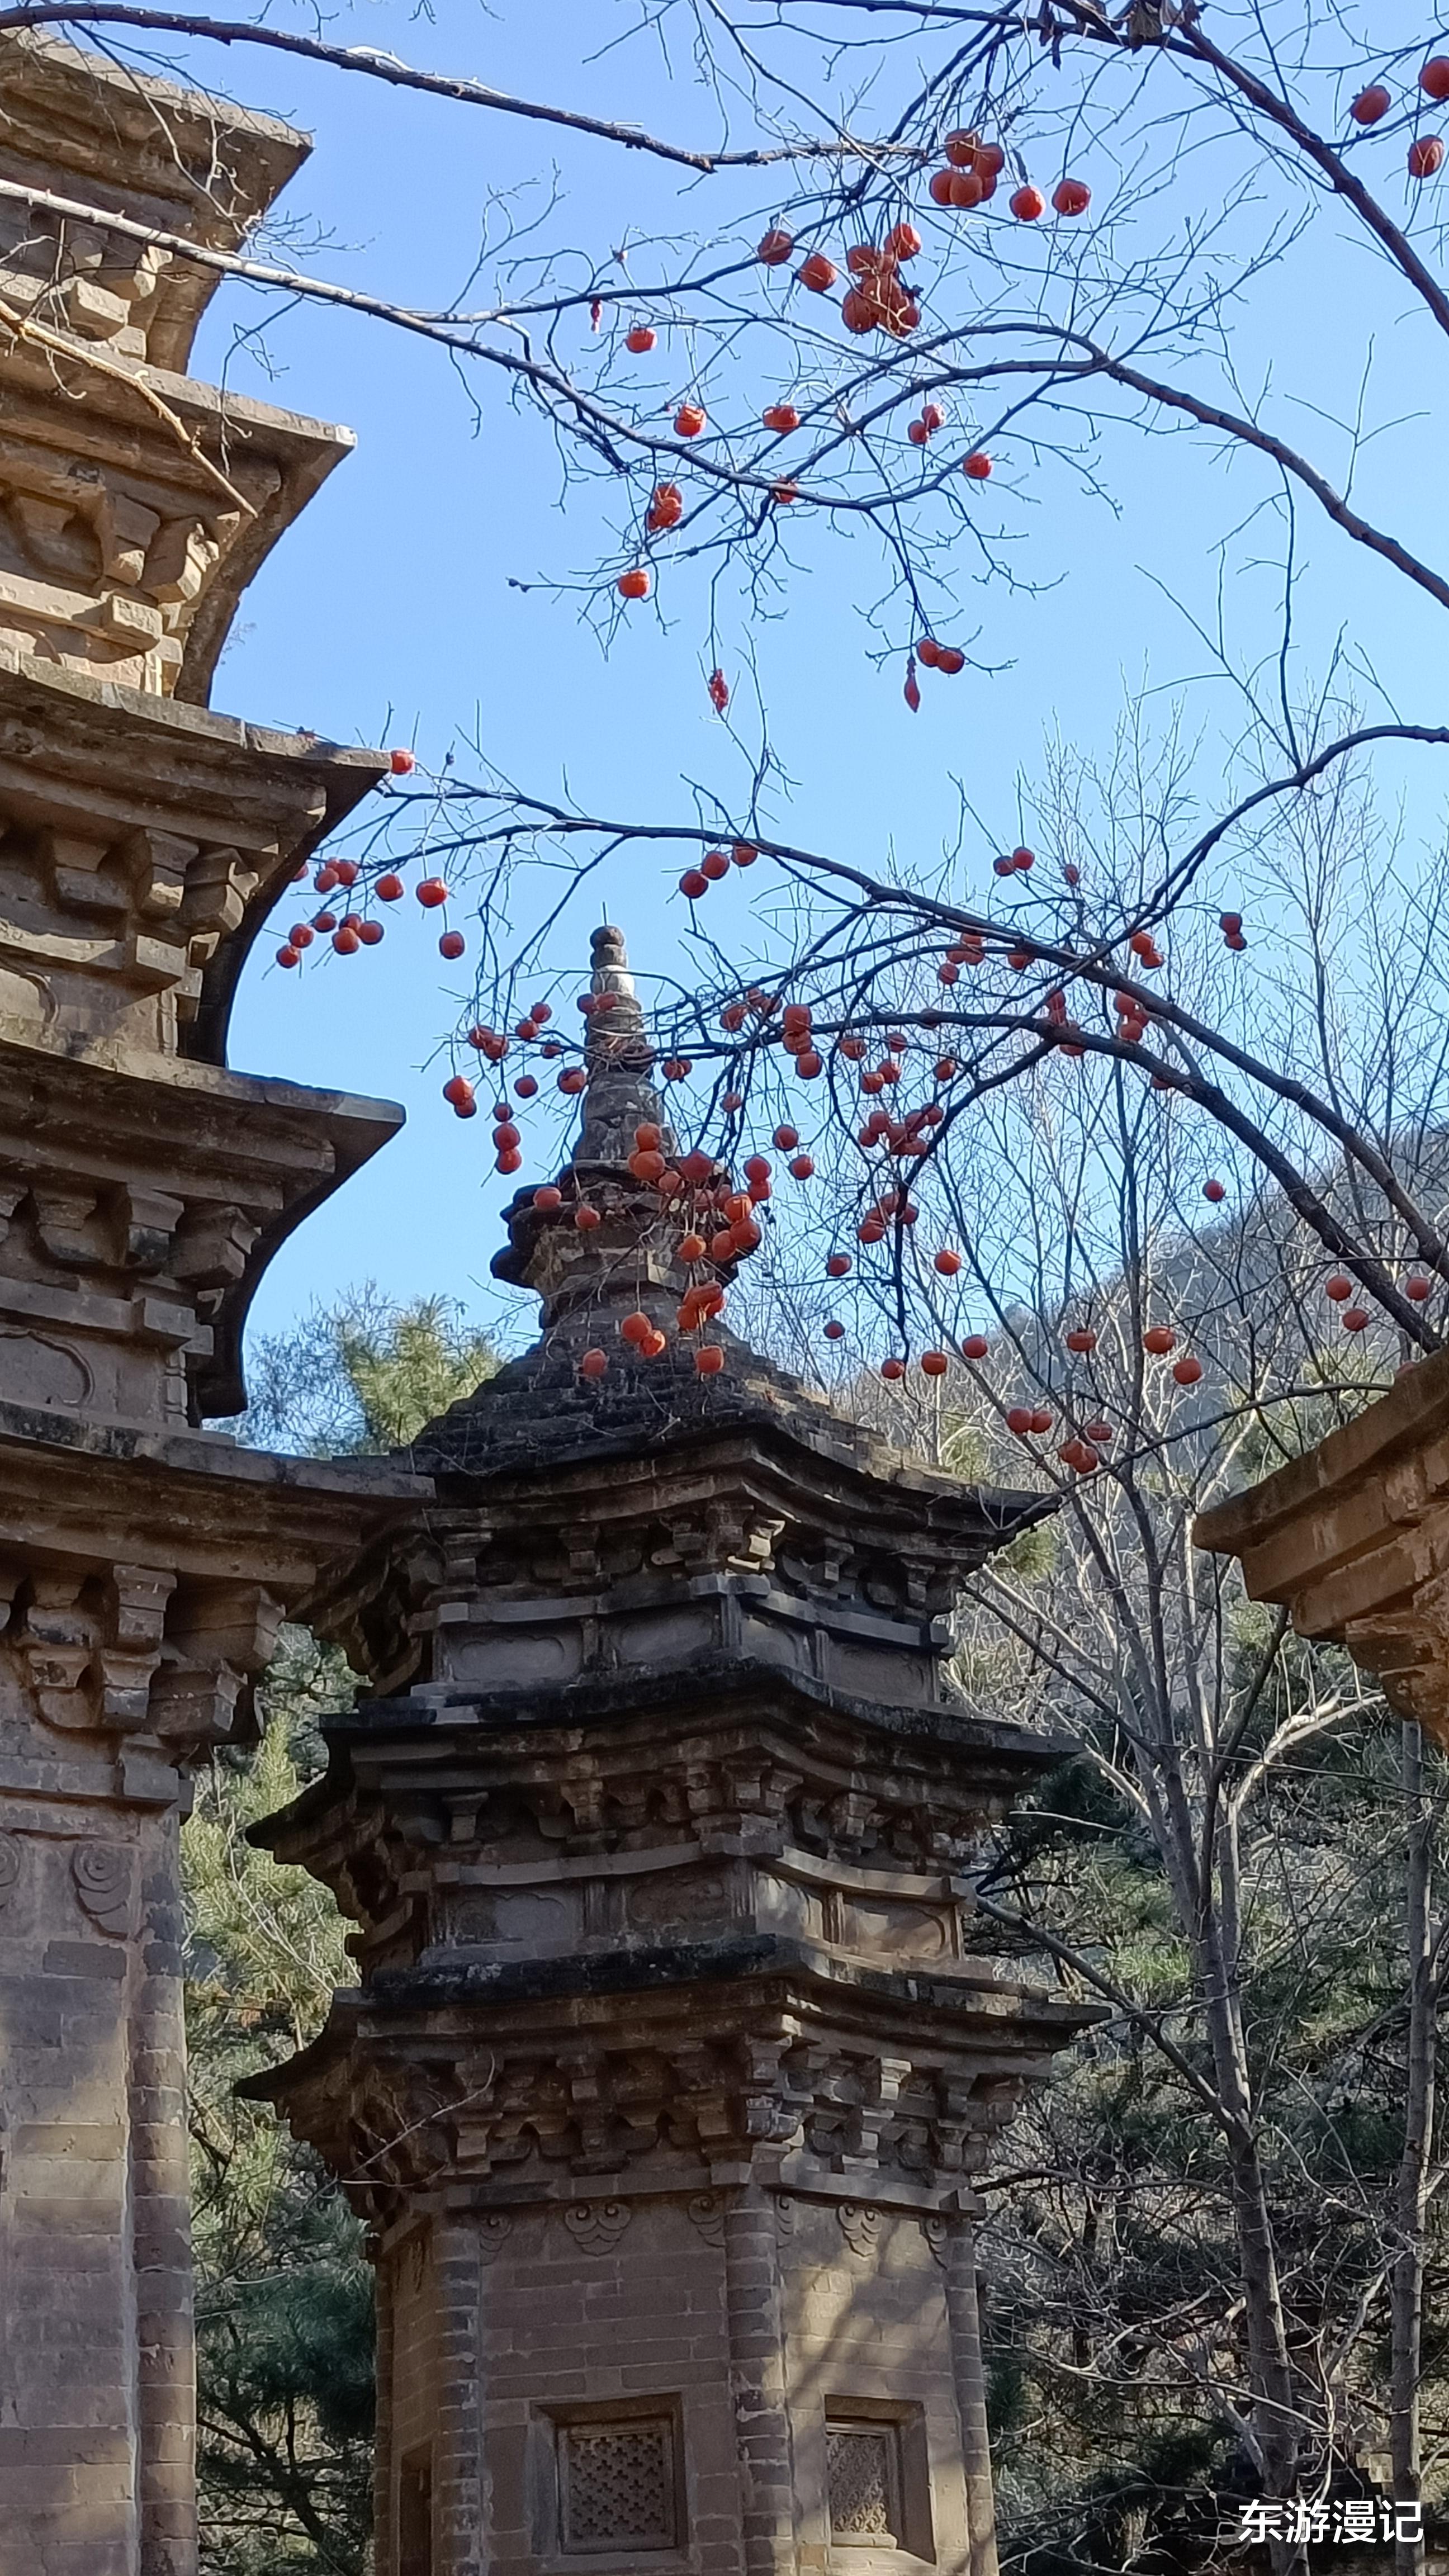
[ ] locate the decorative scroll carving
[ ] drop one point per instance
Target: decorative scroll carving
(105, 1882)
(12, 1853)
(707, 2210)
(493, 2233)
(39, 1369)
(597, 2225)
(860, 2226)
(937, 2233)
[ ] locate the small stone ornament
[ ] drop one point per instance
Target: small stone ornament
(494, 2233)
(707, 2211)
(860, 2226)
(597, 2225)
(104, 1882)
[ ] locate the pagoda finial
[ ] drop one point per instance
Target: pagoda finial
(627, 1240)
(618, 1059)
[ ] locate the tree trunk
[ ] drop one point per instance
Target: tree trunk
(1412, 2187)
(1277, 2414)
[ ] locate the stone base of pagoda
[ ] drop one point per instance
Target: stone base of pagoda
(736, 2381)
(674, 2252)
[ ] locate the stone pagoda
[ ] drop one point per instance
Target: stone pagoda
(677, 2047)
(144, 1564)
(1352, 1539)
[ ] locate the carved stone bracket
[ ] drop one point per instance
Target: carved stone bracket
(63, 1223)
(129, 1657)
(12, 1854)
(56, 1643)
(148, 1223)
(132, 1654)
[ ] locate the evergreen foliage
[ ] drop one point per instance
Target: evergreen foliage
(361, 1375)
(283, 2289)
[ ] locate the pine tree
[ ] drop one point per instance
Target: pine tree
(284, 2292)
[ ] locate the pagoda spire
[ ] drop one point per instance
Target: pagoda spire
(618, 1060)
(599, 1236)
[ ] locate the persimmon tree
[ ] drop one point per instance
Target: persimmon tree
(1202, 2249)
(1028, 1128)
(937, 264)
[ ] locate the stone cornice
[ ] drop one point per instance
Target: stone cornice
(135, 503)
(190, 825)
(738, 2051)
(218, 476)
(1353, 1539)
(154, 1640)
(651, 1771)
(187, 162)
(534, 1446)
(66, 1479)
(175, 1180)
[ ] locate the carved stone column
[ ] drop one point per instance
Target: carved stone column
(768, 2508)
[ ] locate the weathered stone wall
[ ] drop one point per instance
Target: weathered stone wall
(589, 2380)
(144, 1566)
(97, 2433)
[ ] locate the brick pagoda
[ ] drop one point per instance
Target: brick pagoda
(1352, 1539)
(676, 2049)
(144, 1565)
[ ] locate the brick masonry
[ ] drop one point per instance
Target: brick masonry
(678, 2045)
(1353, 1539)
(144, 1564)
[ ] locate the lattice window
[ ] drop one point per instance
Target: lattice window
(617, 2485)
(863, 2471)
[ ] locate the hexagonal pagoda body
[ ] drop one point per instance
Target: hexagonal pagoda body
(144, 1563)
(677, 2048)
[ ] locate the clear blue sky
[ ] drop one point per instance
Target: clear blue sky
(387, 614)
